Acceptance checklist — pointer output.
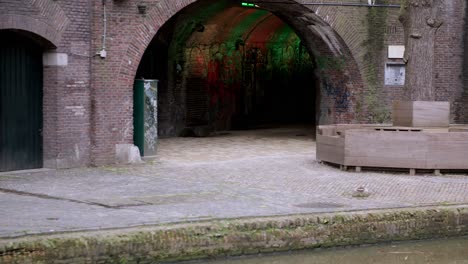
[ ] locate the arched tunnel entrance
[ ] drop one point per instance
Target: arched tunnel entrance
(224, 67)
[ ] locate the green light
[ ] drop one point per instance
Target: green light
(247, 4)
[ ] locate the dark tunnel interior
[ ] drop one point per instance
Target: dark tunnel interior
(222, 66)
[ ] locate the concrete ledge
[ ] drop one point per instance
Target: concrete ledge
(237, 237)
(6, 173)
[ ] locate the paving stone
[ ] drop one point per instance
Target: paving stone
(240, 174)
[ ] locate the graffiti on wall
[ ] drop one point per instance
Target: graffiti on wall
(150, 117)
(339, 94)
(236, 75)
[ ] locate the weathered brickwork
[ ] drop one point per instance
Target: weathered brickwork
(44, 18)
(461, 111)
(62, 27)
(115, 74)
(349, 23)
(238, 237)
(394, 36)
(448, 56)
(88, 104)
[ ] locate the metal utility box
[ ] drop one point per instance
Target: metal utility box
(145, 116)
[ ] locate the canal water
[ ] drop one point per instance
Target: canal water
(443, 251)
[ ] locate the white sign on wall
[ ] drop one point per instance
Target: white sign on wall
(54, 59)
(395, 74)
(396, 51)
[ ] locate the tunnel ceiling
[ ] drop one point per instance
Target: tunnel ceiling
(225, 55)
(234, 25)
(226, 21)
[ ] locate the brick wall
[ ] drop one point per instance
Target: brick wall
(128, 35)
(461, 103)
(64, 27)
(449, 56)
(394, 36)
(349, 23)
(367, 32)
(83, 125)
(74, 93)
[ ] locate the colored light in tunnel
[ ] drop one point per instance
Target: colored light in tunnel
(248, 4)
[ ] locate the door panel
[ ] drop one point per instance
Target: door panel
(20, 103)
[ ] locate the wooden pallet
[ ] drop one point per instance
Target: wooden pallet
(436, 172)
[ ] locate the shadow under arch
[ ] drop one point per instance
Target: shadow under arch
(340, 82)
(41, 41)
(21, 100)
(336, 68)
(43, 33)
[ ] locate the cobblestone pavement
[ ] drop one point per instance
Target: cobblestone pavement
(236, 174)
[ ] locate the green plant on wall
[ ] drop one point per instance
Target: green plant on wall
(376, 24)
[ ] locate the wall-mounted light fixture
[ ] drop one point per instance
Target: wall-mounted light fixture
(141, 8)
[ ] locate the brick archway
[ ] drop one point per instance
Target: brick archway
(109, 130)
(29, 24)
(47, 31)
(50, 25)
(340, 78)
(321, 39)
(144, 33)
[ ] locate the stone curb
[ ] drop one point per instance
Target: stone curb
(234, 237)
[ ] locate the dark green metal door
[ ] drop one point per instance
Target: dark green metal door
(20, 103)
(139, 115)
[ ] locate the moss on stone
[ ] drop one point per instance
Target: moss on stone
(235, 237)
(327, 63)
(376, 24)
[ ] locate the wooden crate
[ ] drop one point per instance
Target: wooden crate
(421, 114)
(394, 147)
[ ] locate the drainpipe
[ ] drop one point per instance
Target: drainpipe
(369, 4)
(102, 53)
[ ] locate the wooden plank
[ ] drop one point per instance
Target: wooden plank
(402, 114)
(385, 143)
(437, 130)
(431, 114)
(344, 127)
(330, 154)
(385, 162)
(331, 140)
(448, 151)
(458, 128)
(421, 113)
(385, 149)
(330, 149)
(327, 130)
(434, 148)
